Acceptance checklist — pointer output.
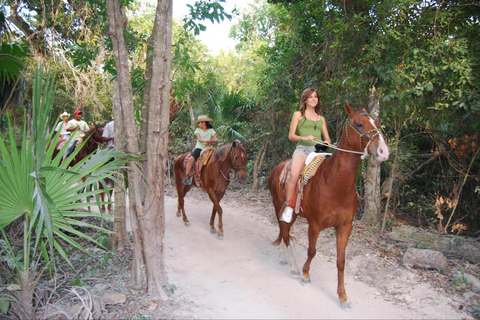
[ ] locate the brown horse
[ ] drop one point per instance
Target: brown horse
(92, 138)
(215, 177)
(329, 197)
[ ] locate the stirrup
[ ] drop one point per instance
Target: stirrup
(188, 181)
(287, 214)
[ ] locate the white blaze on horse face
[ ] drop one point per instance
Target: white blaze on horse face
(382, 153)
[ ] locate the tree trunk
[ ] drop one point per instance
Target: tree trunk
(152, 219)
(190, 111)
(120, 239)
(147, 213)
(258, 164)
(372, 214)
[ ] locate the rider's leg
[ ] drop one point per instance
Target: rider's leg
(297, 166)
(189, 171)
(70, 148)
(190, 162)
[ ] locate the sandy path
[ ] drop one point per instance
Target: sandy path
(240, 276)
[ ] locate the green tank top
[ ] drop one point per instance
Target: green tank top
(307, 127)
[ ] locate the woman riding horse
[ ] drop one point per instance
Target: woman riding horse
(329, 197)
(213, 178)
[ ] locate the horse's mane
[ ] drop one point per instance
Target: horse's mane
(222, 152)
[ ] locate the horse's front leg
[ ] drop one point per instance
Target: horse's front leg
(312, 243)
(215, 198)
(343, 233)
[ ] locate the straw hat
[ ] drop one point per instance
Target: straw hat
(64, 114)
(202, 118)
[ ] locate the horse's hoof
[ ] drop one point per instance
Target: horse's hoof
(295, 273)
(345, 306)
(213, 231)
(283, 262)
(187, 224)
(306, 282)
(220, 236)
(179, 214)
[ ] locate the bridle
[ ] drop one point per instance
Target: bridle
(232, 161)
(361, 133)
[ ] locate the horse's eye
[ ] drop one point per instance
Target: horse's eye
(359, 125)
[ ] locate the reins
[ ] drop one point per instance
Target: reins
(361, 133)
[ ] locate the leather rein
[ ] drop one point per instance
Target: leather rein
(361, 133)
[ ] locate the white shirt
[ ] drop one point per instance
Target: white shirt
(62, 126)
(109, 132)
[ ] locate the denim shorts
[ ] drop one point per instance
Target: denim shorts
(303, 150)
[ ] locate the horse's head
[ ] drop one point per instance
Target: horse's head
(95, 133)
(238, 159)
(363, 133)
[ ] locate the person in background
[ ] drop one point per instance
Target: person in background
(109, 134)
(206, 136)
(62, 126)
(310, 125)
(78, 126)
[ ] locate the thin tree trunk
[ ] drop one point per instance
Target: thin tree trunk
(152, 220)
(147, 213)
(120, 239)
(258, 164)
(190, 111)
(372, 214)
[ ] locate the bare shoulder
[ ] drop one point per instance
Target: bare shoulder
(296, 115)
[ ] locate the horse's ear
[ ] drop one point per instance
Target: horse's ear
(348, 109)
(244, 144)
(235, 143)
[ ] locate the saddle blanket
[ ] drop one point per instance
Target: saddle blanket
(312, 163)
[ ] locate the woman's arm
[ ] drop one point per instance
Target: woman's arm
(213, 139)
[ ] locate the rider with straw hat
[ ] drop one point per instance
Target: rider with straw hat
(205, 137)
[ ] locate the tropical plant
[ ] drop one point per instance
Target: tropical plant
(41, 212)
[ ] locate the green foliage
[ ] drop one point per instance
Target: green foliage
(202, 10)
(422, 57)
(43, 197)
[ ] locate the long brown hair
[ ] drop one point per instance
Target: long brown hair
(306, 93)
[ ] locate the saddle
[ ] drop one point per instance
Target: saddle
(201, 162)
(312, 163)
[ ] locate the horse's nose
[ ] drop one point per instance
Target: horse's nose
(243, 175)
(382, 152)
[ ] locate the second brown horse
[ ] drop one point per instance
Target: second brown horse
(329, 197)
(92, 138)
(215, 177)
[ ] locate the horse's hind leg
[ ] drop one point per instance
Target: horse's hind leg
(292, 262)
(288, 256)
(181, 192)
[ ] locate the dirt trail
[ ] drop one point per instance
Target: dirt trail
(240, 276)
